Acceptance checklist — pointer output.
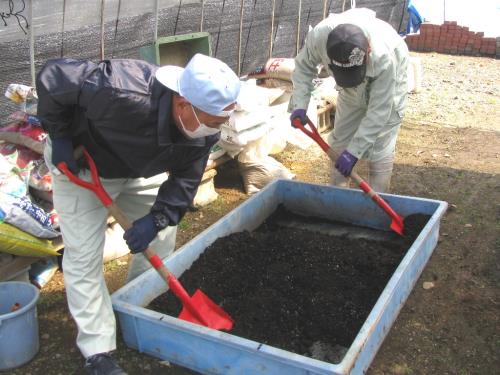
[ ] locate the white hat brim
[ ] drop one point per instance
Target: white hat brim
(169, 75)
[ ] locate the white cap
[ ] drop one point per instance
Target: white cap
(206, 82)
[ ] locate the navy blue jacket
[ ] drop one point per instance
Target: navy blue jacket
(122, 115)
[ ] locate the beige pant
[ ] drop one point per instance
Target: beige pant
(83, 224)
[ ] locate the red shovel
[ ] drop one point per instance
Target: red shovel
(199, 308)
(397, 224)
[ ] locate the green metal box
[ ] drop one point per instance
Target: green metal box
(177, 49)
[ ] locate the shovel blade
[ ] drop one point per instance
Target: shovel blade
(398, 226)
(213, 315)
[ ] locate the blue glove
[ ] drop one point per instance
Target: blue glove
(143, 231)
(345, 163)
(62, 151)
(299, 114)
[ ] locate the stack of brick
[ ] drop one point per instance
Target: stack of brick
(452, 39)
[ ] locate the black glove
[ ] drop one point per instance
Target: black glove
(143, 231)
(62, 152)
(299, 114)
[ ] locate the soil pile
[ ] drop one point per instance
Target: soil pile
(292, 288)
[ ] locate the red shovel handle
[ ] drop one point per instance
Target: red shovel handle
(397, 221)
(115, 211)
(95, 185)
(312, 132)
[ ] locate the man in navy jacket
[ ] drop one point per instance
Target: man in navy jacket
(138, 122)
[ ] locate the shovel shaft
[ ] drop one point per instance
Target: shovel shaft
(198, 309)
(363, 185)
(159, 266)
(115, 211)
(149, 253)
(312, 132)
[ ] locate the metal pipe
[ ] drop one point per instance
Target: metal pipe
(62, 27)
(177, 18)
(155, 33)
(220, 27)
(102, 29)
(298, 28)
(116, 27)
(272, 31)
(32, 44)
(202, 14)
(239, 36)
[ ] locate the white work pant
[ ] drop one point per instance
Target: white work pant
(83, 221)
(351, 109)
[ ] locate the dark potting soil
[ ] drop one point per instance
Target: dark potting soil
(292, 288)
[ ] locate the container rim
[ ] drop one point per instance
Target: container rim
(24, 308)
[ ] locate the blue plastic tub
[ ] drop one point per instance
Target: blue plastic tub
(19, 340)
(214, 352)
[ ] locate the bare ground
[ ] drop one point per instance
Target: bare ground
(448, 149)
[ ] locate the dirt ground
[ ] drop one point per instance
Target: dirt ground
(448, 149)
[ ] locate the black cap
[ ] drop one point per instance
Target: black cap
(347, 47)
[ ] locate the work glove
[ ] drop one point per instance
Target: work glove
(62, 151)
(143, 231)
(299, 114)
(345, 163)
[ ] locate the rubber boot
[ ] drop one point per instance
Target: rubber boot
(380, 173)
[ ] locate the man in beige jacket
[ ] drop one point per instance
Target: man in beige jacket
(368, 61)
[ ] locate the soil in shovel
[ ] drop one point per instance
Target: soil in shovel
(297, 283)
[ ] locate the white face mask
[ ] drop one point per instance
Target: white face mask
(201, 131)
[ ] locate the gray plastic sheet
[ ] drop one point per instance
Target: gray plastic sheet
(72, 28)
